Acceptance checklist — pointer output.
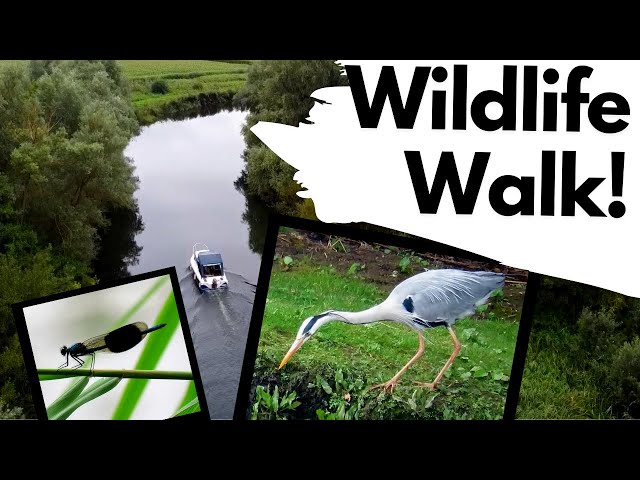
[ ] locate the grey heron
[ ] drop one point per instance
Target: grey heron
(429, 299)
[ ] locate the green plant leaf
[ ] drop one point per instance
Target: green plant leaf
(153, 350)
(275, 400)
(73, 391)
(287, 260)
(191, 407)
(480, 373)
(266, 397)
(188, 397)
(97, 389)
(124, 319)
(468, 333)
(353, 268)
(404, 263)
(325, 386)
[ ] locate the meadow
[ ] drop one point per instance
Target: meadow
(331, 375)
(179, 80)
(175, 81)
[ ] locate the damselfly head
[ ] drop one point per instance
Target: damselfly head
(63, 351)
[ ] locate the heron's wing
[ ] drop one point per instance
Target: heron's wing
(445, 295)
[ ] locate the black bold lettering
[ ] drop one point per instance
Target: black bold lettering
(447, 173)
(524, 206)
(597, 110)
(404, 115)
(580, 195)
(506, 99)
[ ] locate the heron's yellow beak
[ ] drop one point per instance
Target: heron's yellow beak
(296, 345)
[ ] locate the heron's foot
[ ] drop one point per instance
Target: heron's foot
(386, 386)
(430, 386)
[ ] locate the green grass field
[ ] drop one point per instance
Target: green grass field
(474, 387)
(184, 78)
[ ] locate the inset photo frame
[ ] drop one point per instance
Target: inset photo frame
(119, 350)
(361, 324)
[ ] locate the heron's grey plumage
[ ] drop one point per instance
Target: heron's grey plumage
(445, 295)
(430, 299)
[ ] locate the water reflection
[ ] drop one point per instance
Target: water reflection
(117, 246)
(188, 171)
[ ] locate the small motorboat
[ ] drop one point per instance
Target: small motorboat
(208, 268)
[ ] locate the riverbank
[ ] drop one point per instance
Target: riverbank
(179, 89)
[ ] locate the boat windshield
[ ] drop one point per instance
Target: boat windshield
(212, 270)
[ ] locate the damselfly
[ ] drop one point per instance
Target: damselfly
(119, 340)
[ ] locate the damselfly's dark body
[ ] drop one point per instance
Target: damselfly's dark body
(119, 340)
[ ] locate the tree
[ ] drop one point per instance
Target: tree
(279, 91)
(64, 126)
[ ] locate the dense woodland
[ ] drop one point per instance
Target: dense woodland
(63, 128)
(279, 91)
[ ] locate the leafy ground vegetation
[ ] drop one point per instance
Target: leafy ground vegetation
(583, 359)
(331, 375)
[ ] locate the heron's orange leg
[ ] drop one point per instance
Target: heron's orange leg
(456, 350)
(391, 384)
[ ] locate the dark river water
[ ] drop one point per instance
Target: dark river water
(187, 171)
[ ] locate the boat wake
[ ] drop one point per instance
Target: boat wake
(219, 323)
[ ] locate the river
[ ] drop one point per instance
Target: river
(187, 171)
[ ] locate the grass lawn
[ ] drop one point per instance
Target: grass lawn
(474, 387)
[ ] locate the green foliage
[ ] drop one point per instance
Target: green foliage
(7, 413)
(597, 335)
(581, 363)
(152, 352)
(63, 151)
(333, 372)
(24, 277)
(63, 129)
(625, 379)
(355, 266)
(73, 391)
(159, 87)
(269, 406)
(192, 406)
(74, 397)
(404, 264)
(279, 91)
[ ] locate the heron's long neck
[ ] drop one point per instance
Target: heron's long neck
(373, 314)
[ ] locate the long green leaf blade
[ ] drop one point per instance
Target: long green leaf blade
(192, 407)
(153, 350)
(72, 392)
(98, 388)
(189, 394)
(124, 319)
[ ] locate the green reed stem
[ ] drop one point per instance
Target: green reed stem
(54, 374)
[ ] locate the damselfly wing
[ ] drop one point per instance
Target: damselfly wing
(119, 340)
